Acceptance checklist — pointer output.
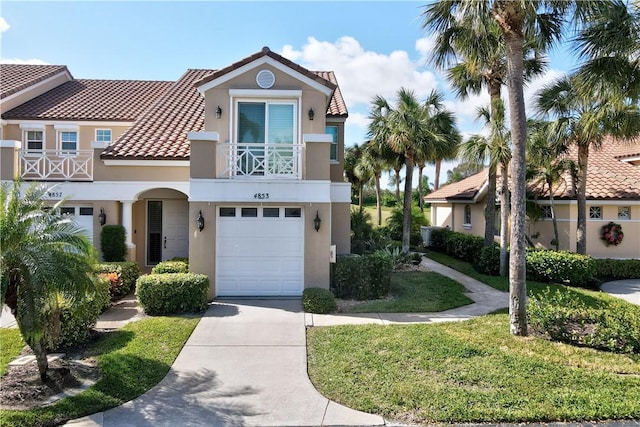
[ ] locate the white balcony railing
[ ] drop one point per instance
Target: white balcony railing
(56, 165)
(273, 161)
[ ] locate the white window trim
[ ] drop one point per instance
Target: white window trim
(25, 139)
(59, 142)
(334, 161)
(233, 120)
(104, 129)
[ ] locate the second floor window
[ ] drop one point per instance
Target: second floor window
(68, 141)
(34, 139)
(333, 131)
(266, 123)
(103, 135)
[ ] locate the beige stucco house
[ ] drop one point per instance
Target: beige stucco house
(240, 168)
(613, 194)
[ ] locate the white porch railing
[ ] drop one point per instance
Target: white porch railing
(56, 165)
(274, 161)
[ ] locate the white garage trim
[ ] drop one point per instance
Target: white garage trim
(257, 253)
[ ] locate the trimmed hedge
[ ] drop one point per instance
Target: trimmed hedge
(563, 267)
(127, 274)
(318, 300)
(489, 261)
(363, 277)
(615, 269)
(165, 267)
(112, 243)
(77, 317)
(466, 247)
(615, 328)
(172, 293)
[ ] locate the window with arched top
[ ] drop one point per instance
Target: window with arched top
(467, 216)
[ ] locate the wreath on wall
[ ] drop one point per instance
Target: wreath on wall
(611, 234)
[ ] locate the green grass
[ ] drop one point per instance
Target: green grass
(132, 360)
(386, 213)
(10, 346)
(418, 292)
(472, 371)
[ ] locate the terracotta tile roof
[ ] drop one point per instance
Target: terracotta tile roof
(17, 77)
(608, 177)
(337, 106)
(465, 189)
(161, 132)
(116, 100)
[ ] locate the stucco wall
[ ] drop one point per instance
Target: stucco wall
(341, 227)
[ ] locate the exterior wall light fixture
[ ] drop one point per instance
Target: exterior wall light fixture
(311, 114)
(316, 222)
(102, 217)
(200, 221)
(218, 112)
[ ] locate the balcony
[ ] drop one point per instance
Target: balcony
(268, 161)
(56, 165)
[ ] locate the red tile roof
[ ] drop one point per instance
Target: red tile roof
(161, 132)
(608, 177)
(112, 100)
(337, 107)
(17, 77)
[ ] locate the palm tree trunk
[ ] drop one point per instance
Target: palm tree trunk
(504, 219)
(406, 222)
(436, 183)
(581, 232)
(41, 358)
(397, 171)
(490, 205)
(556, 237)
(361, 197)
(420, 201)
(517, 269)
(378, 199)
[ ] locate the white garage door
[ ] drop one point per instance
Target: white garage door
(83, 216)
(260, 251)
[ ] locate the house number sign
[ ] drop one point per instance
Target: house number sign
(261, 196)
(54, 194)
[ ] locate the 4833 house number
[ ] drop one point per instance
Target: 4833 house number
(261, 196)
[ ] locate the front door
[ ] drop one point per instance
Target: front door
(167, 230)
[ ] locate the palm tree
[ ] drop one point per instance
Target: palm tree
(41, 253)
(370, 166)
(519, 21)
(610, 44)
(410, 128)
(352, 156)
(583, 117)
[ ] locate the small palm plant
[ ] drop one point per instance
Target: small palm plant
(42, 253)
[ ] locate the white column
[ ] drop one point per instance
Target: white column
(127, 221)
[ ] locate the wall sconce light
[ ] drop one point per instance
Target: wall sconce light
(218, 112)
(311, 114)
(200, 221)
(316, 222)
(102, 217)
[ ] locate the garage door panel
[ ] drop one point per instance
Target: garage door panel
(259, 256)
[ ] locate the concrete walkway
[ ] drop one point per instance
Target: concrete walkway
(628, 290)
(486, 300)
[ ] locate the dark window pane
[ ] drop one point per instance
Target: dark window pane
(227, 211)
(271, 212)
(68, 211)
(249, 212)
(86, 211)
(292, 212)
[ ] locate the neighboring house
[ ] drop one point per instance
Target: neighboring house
(252, 152)
(613, 194)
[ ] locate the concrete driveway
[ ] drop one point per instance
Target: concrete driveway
(628, 290)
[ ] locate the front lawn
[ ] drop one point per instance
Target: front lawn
(472, 371)
(132, 360)
(10, 347)
(418, 292)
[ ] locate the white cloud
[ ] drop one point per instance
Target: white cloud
(363, 74)
(359, 120)
(32, 61)
(4, 26)
(535, 85)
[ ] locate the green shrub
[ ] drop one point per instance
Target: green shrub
(560, 267)
(172, 293)
(77, 317)
(125, 282)
(562, 317)
(489, 261)
(112, 243)
(615, 269)
(318, 300)
(180, 258)
(394, 222)
(165, 267)
(363, 277)
(361, 231)
(466, 247)
(438, 238)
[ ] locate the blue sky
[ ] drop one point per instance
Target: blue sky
(374, 47)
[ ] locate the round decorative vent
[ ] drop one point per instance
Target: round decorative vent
(265, 79)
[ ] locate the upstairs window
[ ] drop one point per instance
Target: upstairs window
(103, 135)
(266, 123)
(333, 131)
(34, 140)
(68, 141)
